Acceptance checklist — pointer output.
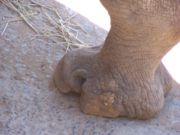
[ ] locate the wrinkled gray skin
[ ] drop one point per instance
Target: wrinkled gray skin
(125, 77)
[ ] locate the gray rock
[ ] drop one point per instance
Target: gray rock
(29, 107)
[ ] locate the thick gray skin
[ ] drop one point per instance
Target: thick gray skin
(125, 77)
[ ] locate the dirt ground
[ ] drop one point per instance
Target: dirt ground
(28, 106)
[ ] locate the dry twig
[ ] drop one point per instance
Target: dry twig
(67, 31)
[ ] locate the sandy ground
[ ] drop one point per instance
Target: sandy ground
(29, 107)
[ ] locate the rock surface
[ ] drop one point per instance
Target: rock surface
(28, 106)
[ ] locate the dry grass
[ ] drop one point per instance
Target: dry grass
(55, 27)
